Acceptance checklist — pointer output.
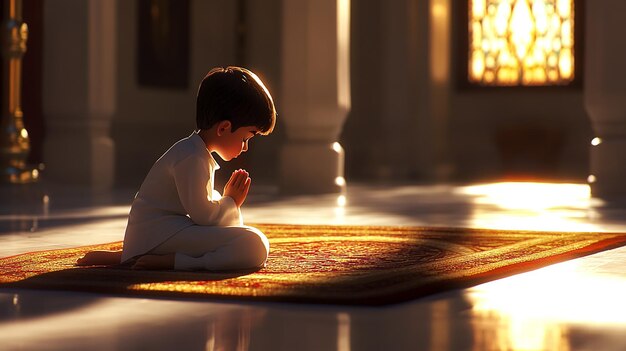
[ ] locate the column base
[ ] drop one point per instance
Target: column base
(608, 169)
(312, 168)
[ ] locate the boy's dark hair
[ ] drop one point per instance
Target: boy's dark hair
(237, 95)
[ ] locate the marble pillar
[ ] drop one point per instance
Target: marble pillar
(79, 91)
(315, 95)
(605, 96)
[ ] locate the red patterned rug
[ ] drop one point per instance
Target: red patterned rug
(362, 265)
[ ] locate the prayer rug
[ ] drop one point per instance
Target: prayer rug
(358, 265)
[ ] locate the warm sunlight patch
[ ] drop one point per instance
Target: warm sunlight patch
(528, 205)
(530, 196)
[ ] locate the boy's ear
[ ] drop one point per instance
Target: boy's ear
(223, 127)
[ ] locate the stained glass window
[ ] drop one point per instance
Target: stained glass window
(521, 42)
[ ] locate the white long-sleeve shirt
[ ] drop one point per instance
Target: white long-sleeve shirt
(177, 193)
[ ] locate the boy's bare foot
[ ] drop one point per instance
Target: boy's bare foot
(93, 258)
(155, 262)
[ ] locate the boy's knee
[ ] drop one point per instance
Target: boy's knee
(257, 247)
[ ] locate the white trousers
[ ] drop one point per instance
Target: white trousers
(216, 248)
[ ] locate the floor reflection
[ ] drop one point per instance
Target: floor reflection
(555, 294)
(343, 331)
(232, 331)
(536, 310)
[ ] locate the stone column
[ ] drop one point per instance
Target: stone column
(79, 91)
(605, 96)
(315, 95)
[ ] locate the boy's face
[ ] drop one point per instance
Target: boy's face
(232, 144)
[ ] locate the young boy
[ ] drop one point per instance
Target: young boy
(177, 221)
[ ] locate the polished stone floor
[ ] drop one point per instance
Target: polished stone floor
(575, 305)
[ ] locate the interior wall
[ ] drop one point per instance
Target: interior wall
(400, 128)
(516, 133)
(405, 125)
(519, 135)
(149, 119)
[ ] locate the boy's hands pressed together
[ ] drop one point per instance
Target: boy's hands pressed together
(237, 186)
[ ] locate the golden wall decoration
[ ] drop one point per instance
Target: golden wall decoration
(14, 140)
(521, 42)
